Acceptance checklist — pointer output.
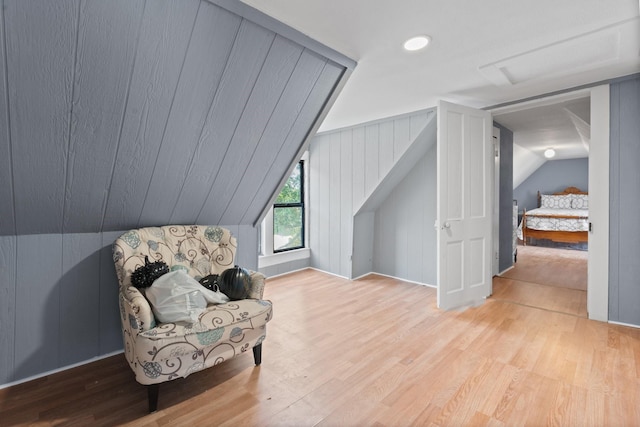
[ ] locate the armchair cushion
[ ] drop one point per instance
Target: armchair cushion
(159, 352)
(171, 350)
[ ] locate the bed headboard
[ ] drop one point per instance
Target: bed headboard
(568, 190)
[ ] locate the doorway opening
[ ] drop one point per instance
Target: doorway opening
(549, 273)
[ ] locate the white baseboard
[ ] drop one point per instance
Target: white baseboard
(396, 278)
(328, 272)
(355, 278)
(288, 272)
(630, 325)
(505, 270)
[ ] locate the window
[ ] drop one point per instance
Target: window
(278, 245)
(288, 213)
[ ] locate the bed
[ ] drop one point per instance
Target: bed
(560, 217)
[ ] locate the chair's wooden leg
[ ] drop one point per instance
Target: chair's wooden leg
(257, 354)
(153, 391)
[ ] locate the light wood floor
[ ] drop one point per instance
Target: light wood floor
(372, 352)
(564, 268)
(547, 278)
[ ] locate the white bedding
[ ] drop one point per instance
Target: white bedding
(538, 219)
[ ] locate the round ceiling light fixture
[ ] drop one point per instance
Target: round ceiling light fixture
(416, 43)
(549, 153)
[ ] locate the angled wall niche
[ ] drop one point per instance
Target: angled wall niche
(353, 170)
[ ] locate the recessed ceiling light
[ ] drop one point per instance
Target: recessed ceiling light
(417, 43)
(549, 153)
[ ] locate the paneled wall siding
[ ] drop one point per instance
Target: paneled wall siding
(624, 228)
(126, 113)
(59, 299)
(345, 167)
(405, 239)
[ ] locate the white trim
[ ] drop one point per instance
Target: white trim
(541, 101)
(282, 257)
(363, 275)
(630, 325)
(396, 278)
(288, 272)
(266, 227)
(505, 270)
(598, 254)
(598, 258)
(311, 268)
(328, 272)
(64, 368)
(359, 277)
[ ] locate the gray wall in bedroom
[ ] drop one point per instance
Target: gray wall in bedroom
(624, 240)
(505, 233)
(58, 298)
(346, 166)
(126, 113)
(404, 236)
(551, 177)
(398, 238)
(109, 121)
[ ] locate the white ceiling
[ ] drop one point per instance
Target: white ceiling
(564, 126)
(483, 53)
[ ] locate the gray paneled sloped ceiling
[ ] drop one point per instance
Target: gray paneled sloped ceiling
(123, 113)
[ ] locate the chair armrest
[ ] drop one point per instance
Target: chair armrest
(257, 284)
(135, 311)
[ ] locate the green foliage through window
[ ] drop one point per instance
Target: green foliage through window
(288, 213)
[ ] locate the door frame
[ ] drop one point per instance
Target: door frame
(598, 253)
(495, 256)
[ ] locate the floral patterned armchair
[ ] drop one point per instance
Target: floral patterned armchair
(159, 352)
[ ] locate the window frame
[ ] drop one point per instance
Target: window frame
(266, 258)
(301, 205)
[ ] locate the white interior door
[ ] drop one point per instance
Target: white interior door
(464, 205)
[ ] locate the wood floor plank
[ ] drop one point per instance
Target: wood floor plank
(375, 352)
(565, 268)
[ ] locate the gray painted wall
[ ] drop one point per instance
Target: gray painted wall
(395, 235)
(404, 221)
(346, 166)
(129, 113)
(405, 239)
(58, 298)
(505, 215)
(363, 245)
(551, 177)
(624, 243)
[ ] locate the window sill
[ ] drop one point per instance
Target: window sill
(282, 257)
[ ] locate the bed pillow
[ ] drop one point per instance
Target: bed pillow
(563, 201)
(580, 201)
